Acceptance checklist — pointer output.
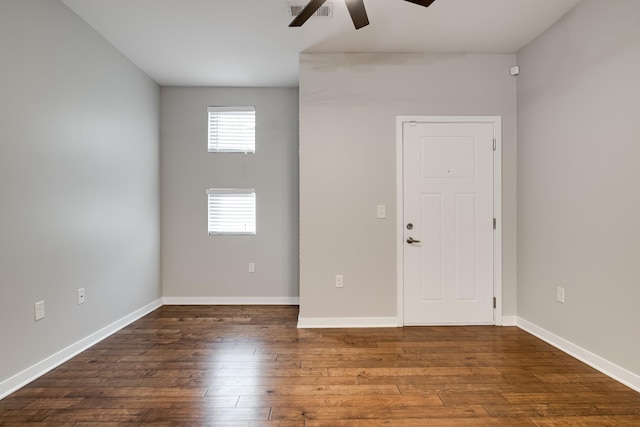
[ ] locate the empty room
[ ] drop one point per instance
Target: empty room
(319, 213)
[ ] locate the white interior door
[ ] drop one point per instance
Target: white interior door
(448, 223)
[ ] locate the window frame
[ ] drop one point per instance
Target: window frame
(242, 132)
(250, 208)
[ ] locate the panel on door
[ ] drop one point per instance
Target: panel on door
(448, 199)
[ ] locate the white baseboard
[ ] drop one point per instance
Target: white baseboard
(509, 321)
(606, 367)
(231, 300)
(23, 378)
(347, 322)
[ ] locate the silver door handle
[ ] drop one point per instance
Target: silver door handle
(410, 240)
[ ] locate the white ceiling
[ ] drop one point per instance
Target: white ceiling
(248, 42)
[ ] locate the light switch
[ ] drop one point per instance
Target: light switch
(381, 212)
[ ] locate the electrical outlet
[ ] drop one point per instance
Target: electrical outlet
(560, 294)
(252, 267)
(339, 281)
(80, 296)
(39, 310)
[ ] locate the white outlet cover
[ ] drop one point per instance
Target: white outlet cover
(39, 310)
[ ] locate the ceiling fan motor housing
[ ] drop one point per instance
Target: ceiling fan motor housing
(356, 10)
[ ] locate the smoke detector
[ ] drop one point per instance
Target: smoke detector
(324, 11)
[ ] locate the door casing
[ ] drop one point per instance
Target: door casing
(496, 121)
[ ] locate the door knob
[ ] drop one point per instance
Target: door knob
(411, 240)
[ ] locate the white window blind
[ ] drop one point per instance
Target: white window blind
(232, 129)
(232, 211)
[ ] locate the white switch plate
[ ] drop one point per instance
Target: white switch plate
(560, 294)
(381, 211)
(252, 267)
(339, 281)
(80, 296)
(39, 310)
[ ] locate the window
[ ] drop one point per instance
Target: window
(232, 130)
(232, 211)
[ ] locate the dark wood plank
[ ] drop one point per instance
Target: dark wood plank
(249, 366)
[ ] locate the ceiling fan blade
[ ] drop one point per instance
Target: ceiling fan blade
(358, 13)
(425, 3)
(306, 13)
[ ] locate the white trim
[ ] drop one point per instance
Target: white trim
(347, 322)
(497, 209)
(400, 220)
(23, 378)
(231, 300)
(606, 367)
(452, 324)
(497, 212)
(216, 109)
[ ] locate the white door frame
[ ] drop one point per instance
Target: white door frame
(496, 121)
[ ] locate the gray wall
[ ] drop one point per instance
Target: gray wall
(78, 182)
(196, 265)
(348, 109)
(578, 177)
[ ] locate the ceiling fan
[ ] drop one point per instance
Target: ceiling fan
(356, 10)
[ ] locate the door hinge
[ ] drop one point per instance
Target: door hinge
(494, 302)
(494, 223)
(494, 144)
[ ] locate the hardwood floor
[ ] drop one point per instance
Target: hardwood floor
(249, 366)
